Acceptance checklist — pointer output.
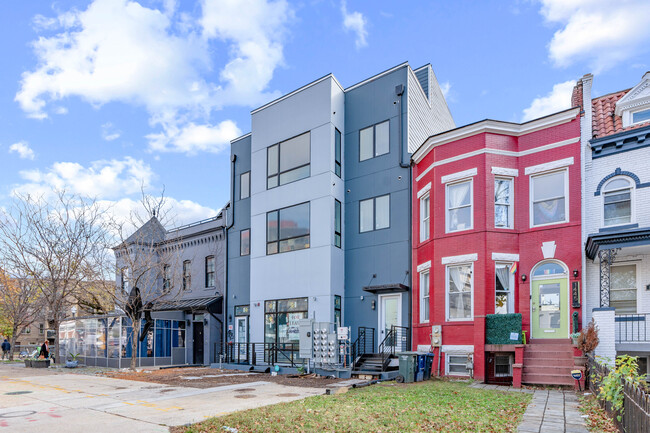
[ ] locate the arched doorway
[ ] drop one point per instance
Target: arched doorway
(550, 300)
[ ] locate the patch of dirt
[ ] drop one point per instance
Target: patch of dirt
(288, 394)
(210, 377)
(245, 390)
(245, 396)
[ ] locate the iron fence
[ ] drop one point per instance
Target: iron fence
(636, 404)
(632, 328)
(265, 354)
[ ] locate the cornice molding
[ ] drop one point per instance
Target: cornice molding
(459, 175)
(547, 166)
(460, 259)
(496, 127)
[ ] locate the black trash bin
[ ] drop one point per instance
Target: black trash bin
(428, 364)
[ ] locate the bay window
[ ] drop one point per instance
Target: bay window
(459, 206)
(549, 198)
(459, 292)
(504, 289)
(424, 296)
(425, 214)
(503, 209)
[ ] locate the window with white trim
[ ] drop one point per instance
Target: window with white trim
(617, 202)
(210, 272)
(622, 289)
(187, 275)
(459, 206)
(425, 214)
(503, 365)
(459, 292)
(503, 208)
(424, 296)
(504, 289)
(374, 213)
(457, 365)
(125, 277)
(641, 116)
(166, 278)
(374, 141)
(549, 198)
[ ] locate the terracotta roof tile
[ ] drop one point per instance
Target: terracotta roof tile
(605, 122)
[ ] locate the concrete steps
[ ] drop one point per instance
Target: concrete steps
(548, 362)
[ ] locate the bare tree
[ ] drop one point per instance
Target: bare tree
(54, 242)
(147, 268)
(19, 305)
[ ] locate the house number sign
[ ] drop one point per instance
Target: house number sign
(575, 294)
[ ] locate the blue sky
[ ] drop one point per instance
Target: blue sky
(101, 97)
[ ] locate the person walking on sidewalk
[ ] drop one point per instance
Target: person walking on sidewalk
(6, 348)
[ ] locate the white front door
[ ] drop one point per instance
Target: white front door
(241, 333)
(390, 314)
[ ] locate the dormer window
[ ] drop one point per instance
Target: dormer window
(617, 202)
(641, 116)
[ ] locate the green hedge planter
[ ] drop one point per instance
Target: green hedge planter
(500, 327)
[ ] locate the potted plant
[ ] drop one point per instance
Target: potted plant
(574, 338)
(587, 342)
(72, 363)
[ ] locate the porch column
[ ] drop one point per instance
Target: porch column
(605, 321)
(606, 258)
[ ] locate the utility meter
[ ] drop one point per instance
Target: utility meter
(436, 336)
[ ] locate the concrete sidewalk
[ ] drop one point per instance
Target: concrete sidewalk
(45, 400)
(550, 411)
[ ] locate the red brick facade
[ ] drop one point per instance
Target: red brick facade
(483, 146)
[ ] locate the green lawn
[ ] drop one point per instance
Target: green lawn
(432, 406)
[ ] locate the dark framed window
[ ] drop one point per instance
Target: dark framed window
(337, 152)
(187, 275)
(242, 310)
(178, 334)
(245, 185)
(245, 242)
(374, 141)
(41, 328)
(166, 281)
(374, 213)
(287, 229)
(337, 311)
(288, 161)
(281, 320)
(210, 279)
(337, 223)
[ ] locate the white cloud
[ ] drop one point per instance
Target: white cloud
(161, 59)
(22, 149)
(601, 32)
(556, 100)
(178, 212)
(61, 110)
(109, 133)
(445, 88)
(102, 179)
(192, 138)
(356, 22)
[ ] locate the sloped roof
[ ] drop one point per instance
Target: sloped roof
(605, 121)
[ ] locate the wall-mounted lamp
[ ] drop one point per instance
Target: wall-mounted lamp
(523, 277)
(188, 322)
(230, 317)
(576, 273)
(373, 304)
(362, 297)
(205, 320)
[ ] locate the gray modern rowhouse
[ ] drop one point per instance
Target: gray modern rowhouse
(320, 223)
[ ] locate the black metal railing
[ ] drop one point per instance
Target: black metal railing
(636, 403)
(632, 328)
(263, 354)
(365, 343)
(398, 339)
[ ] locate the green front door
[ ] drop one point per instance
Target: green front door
(549, 309)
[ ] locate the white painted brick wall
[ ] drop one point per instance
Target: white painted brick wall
(607, 346)
(635, 161)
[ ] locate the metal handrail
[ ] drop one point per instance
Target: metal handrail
(360, 346)
(397, 339)
(263, 353)
(632, 327)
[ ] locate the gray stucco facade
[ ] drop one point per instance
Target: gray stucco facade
(363, 268)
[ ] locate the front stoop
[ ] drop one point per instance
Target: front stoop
(548, 362)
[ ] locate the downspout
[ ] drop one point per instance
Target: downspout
(399, 91)
(228, 226)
